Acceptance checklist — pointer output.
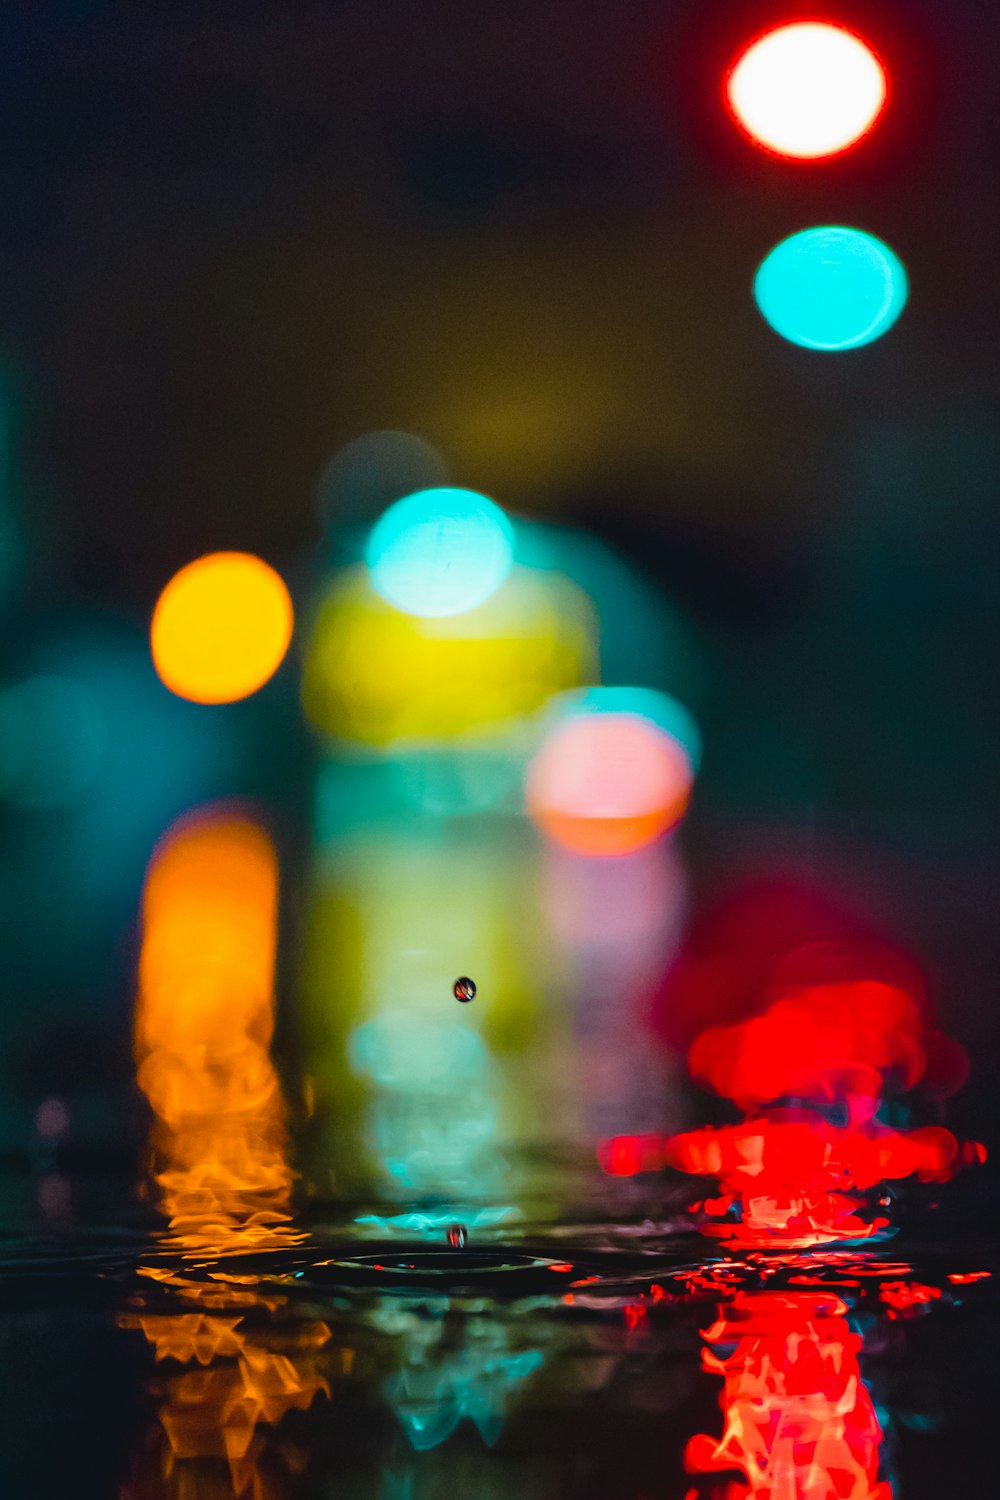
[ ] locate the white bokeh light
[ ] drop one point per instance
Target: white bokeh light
(807, 90)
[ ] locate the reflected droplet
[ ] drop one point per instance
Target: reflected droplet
(458, 1235)
(464, 989)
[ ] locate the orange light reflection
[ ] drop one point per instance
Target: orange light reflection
(203, 1025)
(245, 1378)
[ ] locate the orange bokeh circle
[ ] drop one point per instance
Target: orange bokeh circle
(221, 627)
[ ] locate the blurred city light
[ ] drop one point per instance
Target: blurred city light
(609, 779)
(96, 759)
(831, 288)
(616, 917)
(790, 1178)
(378, 677)
(440, 552)
(807, 90)
(203, 1024)
(766, 935)
(434, 1120)
(221, 627)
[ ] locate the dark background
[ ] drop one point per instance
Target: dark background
(236, 236)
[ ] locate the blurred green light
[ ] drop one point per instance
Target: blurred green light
(440, 552)
(831, 288)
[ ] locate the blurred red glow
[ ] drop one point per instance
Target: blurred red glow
(806, 90)
(904, 1296)
(830, 1041)
(804, 1019)
(767, 939)
(625, 1155)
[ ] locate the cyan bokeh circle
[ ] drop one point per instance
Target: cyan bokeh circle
(440, 552)
(831, 288)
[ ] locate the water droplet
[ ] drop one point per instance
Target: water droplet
(464, 989)
(458, 1236)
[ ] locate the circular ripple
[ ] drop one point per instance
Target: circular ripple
(495, 1269)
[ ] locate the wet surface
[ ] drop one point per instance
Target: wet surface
(613, 1360)
(372, 1243)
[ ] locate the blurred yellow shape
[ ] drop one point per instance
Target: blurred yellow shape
(377, 676)
(221, 627)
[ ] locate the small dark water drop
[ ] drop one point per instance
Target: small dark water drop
(464, 989)
(458, 1236)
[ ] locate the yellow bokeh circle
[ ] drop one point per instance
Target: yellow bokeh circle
(221, 627)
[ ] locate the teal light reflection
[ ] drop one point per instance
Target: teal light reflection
(831, 288)
(441, 1386)
(440, 552)
(434, 1225)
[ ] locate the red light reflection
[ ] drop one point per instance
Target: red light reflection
(799, 1421)
(799, 1180)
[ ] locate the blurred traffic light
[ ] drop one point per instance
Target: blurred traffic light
(809, 90)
